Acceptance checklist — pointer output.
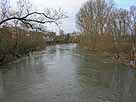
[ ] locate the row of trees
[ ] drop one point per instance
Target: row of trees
(22, 27)
(101, 22)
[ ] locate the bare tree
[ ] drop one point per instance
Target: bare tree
(92, 19)
(25, 15)
(4, 9)
(132, 26)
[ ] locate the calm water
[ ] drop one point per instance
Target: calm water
(65, 73)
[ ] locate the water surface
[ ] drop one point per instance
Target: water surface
(65, 73)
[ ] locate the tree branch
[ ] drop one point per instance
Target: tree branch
(25, 19)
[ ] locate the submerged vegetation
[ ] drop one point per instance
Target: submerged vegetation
(105, 27)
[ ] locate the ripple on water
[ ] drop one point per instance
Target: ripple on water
(65, 73)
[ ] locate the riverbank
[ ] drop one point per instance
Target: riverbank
(122, 58)
(10, 57)
(128, 58)
(125, 58)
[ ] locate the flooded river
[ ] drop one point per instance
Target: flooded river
(65, 73)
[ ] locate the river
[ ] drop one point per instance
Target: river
(66, 73)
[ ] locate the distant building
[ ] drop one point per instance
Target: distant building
(61, 32)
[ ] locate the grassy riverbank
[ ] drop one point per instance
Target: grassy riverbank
(126, 57)
(15, 43)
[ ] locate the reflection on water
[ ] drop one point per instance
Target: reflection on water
(65, 73)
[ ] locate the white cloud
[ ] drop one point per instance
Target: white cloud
(58, 3)
(71, 7)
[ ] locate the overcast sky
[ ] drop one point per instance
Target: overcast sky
(71, 7)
